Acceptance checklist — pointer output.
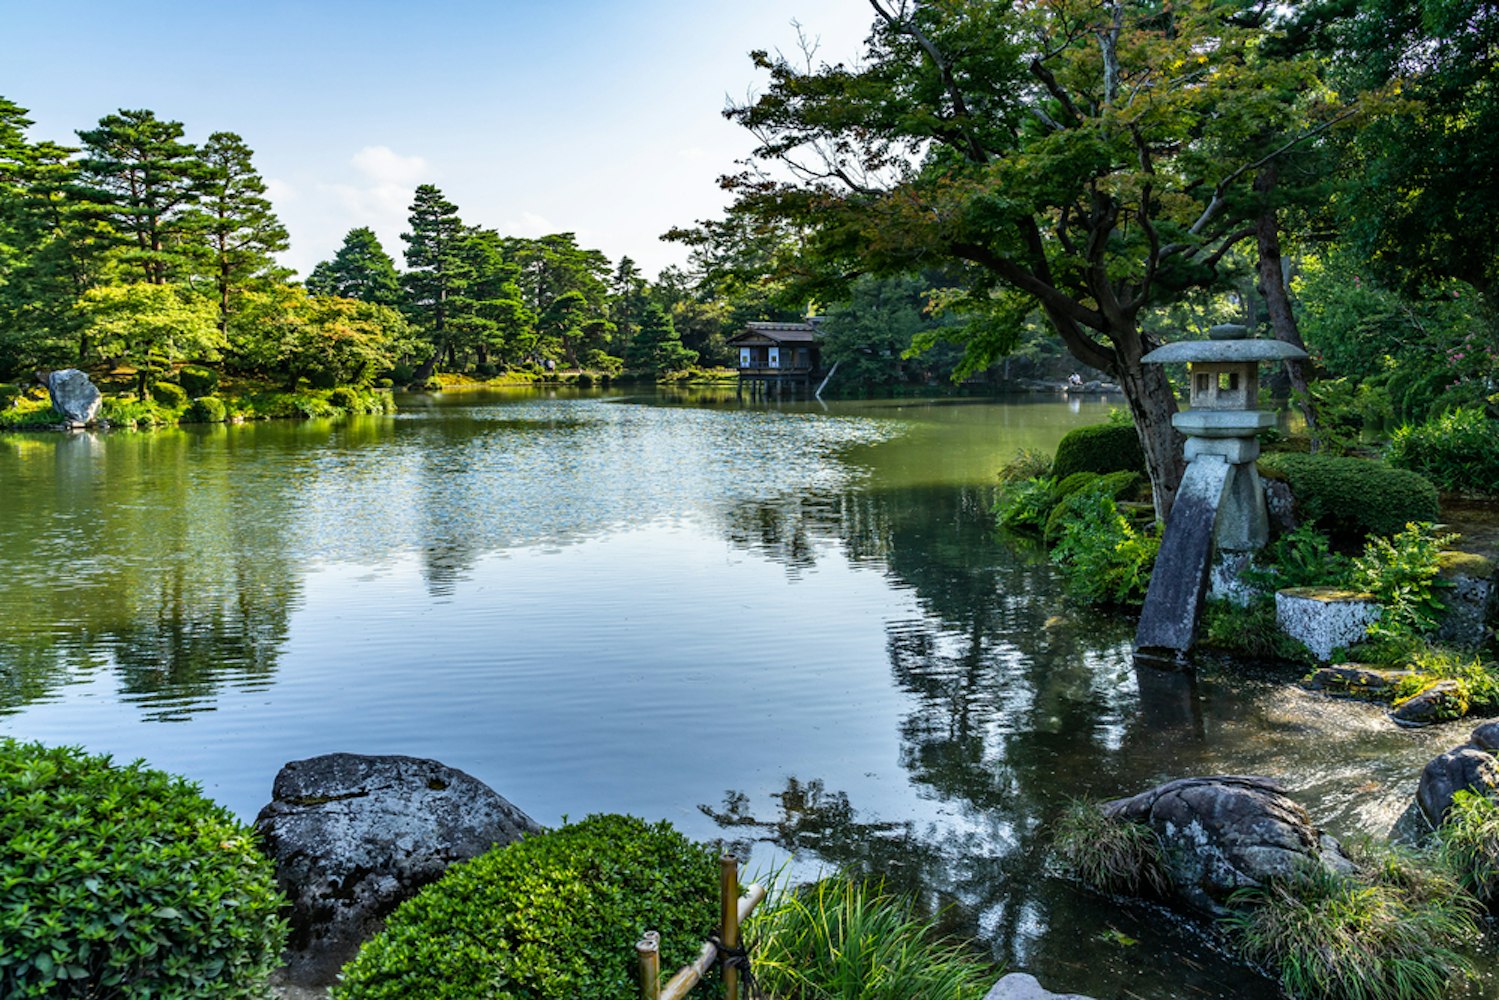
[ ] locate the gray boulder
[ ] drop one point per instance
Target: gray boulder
(1225, 832)
(1465, 768)
(1443, 700)
(74, 396)
(1023, 986)
(352, 837)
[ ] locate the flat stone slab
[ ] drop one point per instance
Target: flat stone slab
(1024, 986)
(1324, 618)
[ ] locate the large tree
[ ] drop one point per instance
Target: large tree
(438, 270)
(361, 269)
(1087, 159)
(145, 178)
(236, 220)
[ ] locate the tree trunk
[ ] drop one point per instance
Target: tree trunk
(1151, 405)
(1272, 288)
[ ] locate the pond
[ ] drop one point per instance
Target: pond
(788, 626)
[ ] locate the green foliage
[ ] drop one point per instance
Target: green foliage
(168, 394)
(1302, 557)
(1346, 937)
(1103, 558)
(130, 411)
(206, 410)
(1458, 451)
(1023, 505)
(1112, 855)
(1468, 845)
(1109, 447)
(551, 917)
(29, 414)
(844, 938)
(149, 326)
(361, 269)
(656, 349)
(198, 382)
(1401, 572)
(125, 882)
(871, 337)
(1250, 631)
(1027, 463)
(1352, 497)
(1479, 682)
(1070, 502)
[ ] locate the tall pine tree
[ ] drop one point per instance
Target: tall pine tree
(361, 269)
(437, 273)
(236, 220)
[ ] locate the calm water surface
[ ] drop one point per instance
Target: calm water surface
(788, 627)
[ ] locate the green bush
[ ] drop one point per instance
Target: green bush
(1111, 855)
(844, 937)
(585, 380)
(206, 410)
(346, 399)
(1347, 937)
(126, 882)
(1299, 558)
(1250, 631)
(1428, 665)
(1458, 451)
(385, 383)
(29, 414)
(1069, 502)
(402, 374)
(1103, 559)
(198, 382)
(1401, 572)
(553, 916)
(169, 394)
(1110, 447)
(1024, 504)
(1352, 496)
(127, 411)
(1027, 463)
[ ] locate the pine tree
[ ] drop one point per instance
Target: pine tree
(656, 348)
(145, 179)
(437, 273)
(237, 220)
(361, 269)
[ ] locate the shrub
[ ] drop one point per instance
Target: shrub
(1103, 559)
(1430, 664)
(551, 916)
(1027, 463)
(1401, 572)
(1353, 496)
(1458, 451)
(1468, 845)
(1069, 501)
(384, 383)
(345, 399)
(29, 413)
(1250, 630)
(1342, 937)
(585, 380)
(402, 374)
(198, 382)
(1112, 855)
(1299, 558)
(1111, 447)
(169, 394)
(1023, 505)
(127, 410)
(205, 410)
(124, 881)
(846, 937)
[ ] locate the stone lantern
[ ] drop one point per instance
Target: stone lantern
(1220, 504)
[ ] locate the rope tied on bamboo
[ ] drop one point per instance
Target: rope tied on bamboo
(737, 958)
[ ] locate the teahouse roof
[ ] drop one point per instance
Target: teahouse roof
(779, 333)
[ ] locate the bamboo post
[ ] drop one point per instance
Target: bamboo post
(649, 951)
(728, 898)
(690, 975)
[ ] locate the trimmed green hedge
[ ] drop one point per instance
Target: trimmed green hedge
(1099, 448)
(126, 882)
(552, 917)
(1353, 496)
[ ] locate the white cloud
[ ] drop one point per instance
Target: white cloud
(279, 191)
(529, 225)
(383, 165)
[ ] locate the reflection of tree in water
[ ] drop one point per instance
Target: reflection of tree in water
(1017, 705)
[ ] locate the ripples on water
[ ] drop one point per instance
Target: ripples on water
(783, 627)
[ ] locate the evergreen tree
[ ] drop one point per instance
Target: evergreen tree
(145, 179)
(494, 318)
(656, 349)
(437, 271)
(237, 219)
(361, 269)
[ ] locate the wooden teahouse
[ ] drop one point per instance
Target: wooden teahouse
(776, 356)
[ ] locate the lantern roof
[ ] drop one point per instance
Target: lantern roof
(1224, 351)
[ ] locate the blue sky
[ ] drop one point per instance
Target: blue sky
(600, 118)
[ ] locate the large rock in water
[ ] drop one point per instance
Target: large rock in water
(352, 837)
(1225, 832)
(1023, 986)
(74, 396)
(1471, 767)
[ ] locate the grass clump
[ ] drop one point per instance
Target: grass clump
(844, 938)
(550, 917)
(1331, 936)
(125, 882)
(1112, 855)
(1468, 845)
